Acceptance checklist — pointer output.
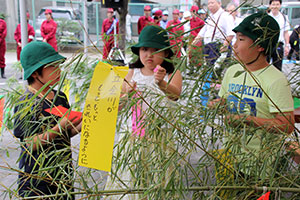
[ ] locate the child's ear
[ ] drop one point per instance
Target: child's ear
(261, 49)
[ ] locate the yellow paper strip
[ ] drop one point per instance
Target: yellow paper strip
(66, 88)
(100, 117)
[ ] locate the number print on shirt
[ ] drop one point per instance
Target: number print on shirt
(241, 106)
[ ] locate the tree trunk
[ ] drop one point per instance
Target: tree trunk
(122, 25)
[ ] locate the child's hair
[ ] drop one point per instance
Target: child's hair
(166, 64)
(31, 80)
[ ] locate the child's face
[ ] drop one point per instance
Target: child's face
(149, 59)
(50, 73)
(244, 48)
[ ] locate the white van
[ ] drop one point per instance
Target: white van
(292, 10)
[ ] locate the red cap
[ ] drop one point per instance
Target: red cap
(110, 10)
(158, 13)
(27, 15)
(194, 8)
(48, 11)
(176, 11)
(147, 8)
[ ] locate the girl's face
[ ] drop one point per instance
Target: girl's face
(149, 59)
(244, 48)
(48, 16)
(50, 73)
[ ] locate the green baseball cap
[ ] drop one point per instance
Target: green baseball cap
(37, 54)
(154, 37)
(262, 29)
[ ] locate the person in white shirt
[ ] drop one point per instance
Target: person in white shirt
(283, 45)
(187, 26)
(128, 27)
(217, 35)
(218, 23)
(232, 10)
(181, 11)
(164, 20)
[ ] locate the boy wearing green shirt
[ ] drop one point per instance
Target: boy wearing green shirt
(258, 95)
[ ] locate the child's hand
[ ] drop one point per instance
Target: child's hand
(66, 123)
(159, 74)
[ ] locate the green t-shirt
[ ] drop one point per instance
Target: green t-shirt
(244, 96)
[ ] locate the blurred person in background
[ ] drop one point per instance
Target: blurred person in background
(17, 35)
(164, 21)
(3, 32)
(107, 32)
(175, 32)
(187, 24)
(196, 25)
(157, 17)
(181, 11)
(218, 24)
(232, 10)
(48, 29)
(202, 14)
(294, 42)
(144, 20)
(283, 43)
(128, 27)
(196, 22)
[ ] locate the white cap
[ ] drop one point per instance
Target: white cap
(165, 12)
(154, 10)
(186, 14)
(201, 11)
(181, 11)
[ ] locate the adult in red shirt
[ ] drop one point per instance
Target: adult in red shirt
(157, 17)
(107, 32)
(195, 21)
(176, 30)
(3, 32)
(17, 37)
(144, 20)
(48, 29)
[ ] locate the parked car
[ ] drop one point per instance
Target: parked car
(68, 24)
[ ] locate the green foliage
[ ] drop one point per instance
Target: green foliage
(189, 151)
(2, 16)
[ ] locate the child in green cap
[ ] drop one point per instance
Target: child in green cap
(149, 76)
(257, 95)
(46, 157)
(152, 68)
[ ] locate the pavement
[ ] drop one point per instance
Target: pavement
(9, 146)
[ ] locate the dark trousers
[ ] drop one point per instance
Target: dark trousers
(277, 56)
(212, 53)
(294, 48)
